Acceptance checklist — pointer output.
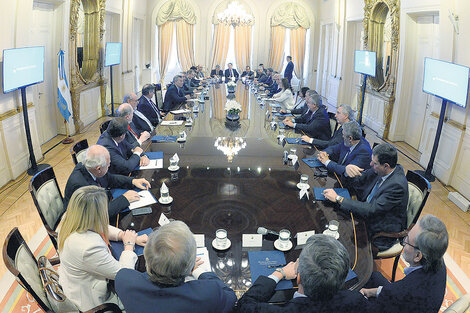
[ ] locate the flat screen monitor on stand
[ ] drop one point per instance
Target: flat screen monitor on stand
(449, 82)
(23, 67)
(112, 57)
(364, 63)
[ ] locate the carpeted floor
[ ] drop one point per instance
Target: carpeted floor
(16, 299)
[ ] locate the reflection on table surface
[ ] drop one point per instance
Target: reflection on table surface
(232, 176)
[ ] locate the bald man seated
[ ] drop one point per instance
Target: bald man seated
(94, 171)
(133, 136)
(140, 121)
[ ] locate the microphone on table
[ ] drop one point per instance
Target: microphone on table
(268, 234)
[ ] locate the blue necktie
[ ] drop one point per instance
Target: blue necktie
(374, 190)
(345, 156)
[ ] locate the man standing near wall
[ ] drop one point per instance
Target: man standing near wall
(289, 69)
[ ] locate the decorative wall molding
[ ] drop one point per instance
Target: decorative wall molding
(10, 113)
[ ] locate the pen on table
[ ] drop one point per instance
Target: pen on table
(279, 265)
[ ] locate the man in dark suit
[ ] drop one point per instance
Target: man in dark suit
(315, 123)
(139, 120)
(174, 96)
(423, 288)
(170, 256)
(289, 69)
(248, 73)
(260, 75)
(134, 136)
(231, 73)
(343, 114)
(382, 194)
(353, 150)
(124, 158)
(217, 72)
(94, 171)
(322, 268)
(147, 107)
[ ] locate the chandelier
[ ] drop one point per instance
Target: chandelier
(230, 146)
(235, 15)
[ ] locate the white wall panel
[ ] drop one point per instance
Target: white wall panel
(90, 106)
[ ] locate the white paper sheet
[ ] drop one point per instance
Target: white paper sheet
(203, 253)
(181, 111)
(146, 198)
(252, 240)
(171, 123)
(200, 243)
(163, 220)
(303, 236)
(155, 163)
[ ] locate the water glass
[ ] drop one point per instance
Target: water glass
(221, 237)
(304, 179)
(284, 236)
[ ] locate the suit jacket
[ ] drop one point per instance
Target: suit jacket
(417, 292)
(360, 156)
(123, 160)
(288, 71)
(336, 139)
(249, 74)
(261, 77)
(256, 298)
(387, 209)
(149, 110)
(139, 294)
(86, 265)
(316, 126)
(173, 98)
(219, 73)
(80, 177)
(132, 135)
(227, 73)
(141, 122)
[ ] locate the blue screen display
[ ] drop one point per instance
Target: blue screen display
(364, 62)
(22, 67)
(446, 80)
(113, 53)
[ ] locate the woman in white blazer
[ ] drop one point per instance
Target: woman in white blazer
(86, 263)
(285, 97)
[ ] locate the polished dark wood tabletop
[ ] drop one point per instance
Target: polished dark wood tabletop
(240, 193)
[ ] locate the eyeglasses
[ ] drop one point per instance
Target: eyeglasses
(405, 241)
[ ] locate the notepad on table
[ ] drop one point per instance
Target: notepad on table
(313, 162)
(118, 246)
(203, 253)
(259, 262)
(171, 123)
(283, 114)
(297, 141)
(318, 191)
(161, 138)
(146, 198)
(154, 164)
(181, 111)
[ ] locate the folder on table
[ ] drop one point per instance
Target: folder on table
(259, 262)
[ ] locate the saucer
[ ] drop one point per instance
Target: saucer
(277, 245)
(333, 234)
(221, 248)
(181, 139)
(173, 168)
(165, 200)
(301, 185)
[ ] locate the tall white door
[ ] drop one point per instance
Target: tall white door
(427, 45)
(42, 34)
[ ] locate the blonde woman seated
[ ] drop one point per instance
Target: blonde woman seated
(86, 263)
(285, 97)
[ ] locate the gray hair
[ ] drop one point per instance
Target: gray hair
(348, 111)
(432, 241)
(176, 78)
(352, 129)
(125, 110)
(314, 97)
(127, 98)
(170, 254)
(323, 267)
(93, 160)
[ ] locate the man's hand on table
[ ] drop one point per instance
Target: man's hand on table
(353, 170)
(141, 183)
(330, 194)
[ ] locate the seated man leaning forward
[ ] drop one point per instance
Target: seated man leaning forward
(94, 171)
(382, 194)
(424, 286)
(320, 271)
(170, 256)
(354, 150)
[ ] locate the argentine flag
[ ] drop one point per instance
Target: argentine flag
(64, 101)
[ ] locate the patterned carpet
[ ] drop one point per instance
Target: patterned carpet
(16, 299)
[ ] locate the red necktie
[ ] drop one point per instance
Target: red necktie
(133, 132)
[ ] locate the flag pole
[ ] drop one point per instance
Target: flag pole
(67, 138)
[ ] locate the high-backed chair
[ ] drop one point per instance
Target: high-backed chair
(418, 192)
(460, 306)
(48, 200)
(333, 122)
(78, 151)
(104, 126)
(159, 98)
(21, 262)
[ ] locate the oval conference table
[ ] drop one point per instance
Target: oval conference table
(232, 176)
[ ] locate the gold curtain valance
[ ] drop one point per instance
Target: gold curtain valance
(223, 6)
(290, 15)
(175, 10)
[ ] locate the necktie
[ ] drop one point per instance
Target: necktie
(311, 116)
(120, 150)
(374, 190)
(231, 73)
(155, 108)
(345, 156)
(133, 132)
